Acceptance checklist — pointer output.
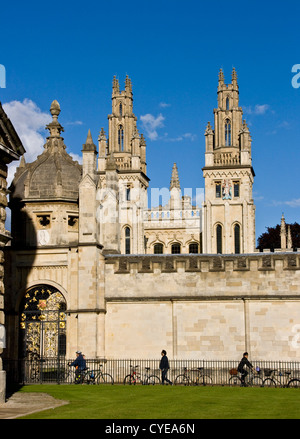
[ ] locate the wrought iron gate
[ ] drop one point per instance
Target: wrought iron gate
(43, 323)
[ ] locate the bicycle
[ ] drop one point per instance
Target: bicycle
(253, 379)
(185, 379)
(135, 377)
(284, 379)
(98, 377)
(75, 376)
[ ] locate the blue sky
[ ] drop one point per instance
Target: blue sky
(172, 51)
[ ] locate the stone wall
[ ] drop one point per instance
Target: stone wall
(203, 306)
(194, 306)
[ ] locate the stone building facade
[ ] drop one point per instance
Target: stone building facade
(92, 267)
(11, 148)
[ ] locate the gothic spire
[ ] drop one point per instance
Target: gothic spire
(283, 233)
(89, 144)
(116, 87)
(289, 238)
(234, 78)
(175, 178)
(221, 76)
(128, 85)
(234, 75)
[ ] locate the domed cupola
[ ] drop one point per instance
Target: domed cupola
(45, 193)
(54, 174)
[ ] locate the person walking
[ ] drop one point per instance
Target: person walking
(164, 367)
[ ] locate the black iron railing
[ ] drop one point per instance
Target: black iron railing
(210, 372)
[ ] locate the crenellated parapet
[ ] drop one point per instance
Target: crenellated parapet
(198, 277)
(205, 263)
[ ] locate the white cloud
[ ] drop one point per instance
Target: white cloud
(76, 122)
(76, 157)
(29, 122)
(291, 203)
(164, 105)
(184, 136)
(261, 109)
(151, 124)
(258, 109)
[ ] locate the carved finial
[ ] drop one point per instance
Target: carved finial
(102, 135)
(209, 129)
(116, 87)
(143, 141)
(234, 75)
(221, 75)
(55, 109)
(55, 127)
(111, 164)
(135, 134)
(128, 85)
(175, 178)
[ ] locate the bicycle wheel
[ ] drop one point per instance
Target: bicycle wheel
(153, 379)
(294, 383)
(204, 380)
(182, 380)
(129, 380)
(269, 382)
(256, 382)
(105, 378)
(234, 381)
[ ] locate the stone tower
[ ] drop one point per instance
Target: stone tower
(123, 183)
(228, 209)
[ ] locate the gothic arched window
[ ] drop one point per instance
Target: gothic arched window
(227, 103)
(158, 249)
(219, 238)
(193, 248)
(237, 239)
(127, 241)
(121, 138)
(120, 110)
(176, 248)
(227, 132)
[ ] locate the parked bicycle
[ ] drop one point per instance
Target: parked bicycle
(98, 377)
(194, 377)
(278, 378)
(135, 377)
(253, 379)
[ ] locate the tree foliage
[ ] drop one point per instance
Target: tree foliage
(271, 238)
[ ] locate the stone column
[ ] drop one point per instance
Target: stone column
(4, 238)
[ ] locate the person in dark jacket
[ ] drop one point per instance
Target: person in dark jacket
(80, 364)
(164, 367)
(241, 367)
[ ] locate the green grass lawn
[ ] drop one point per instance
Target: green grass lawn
(169, 402)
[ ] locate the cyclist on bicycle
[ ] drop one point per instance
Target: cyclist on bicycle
(241, 367)
(80, 364)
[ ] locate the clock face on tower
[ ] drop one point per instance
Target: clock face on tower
(226, 190)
